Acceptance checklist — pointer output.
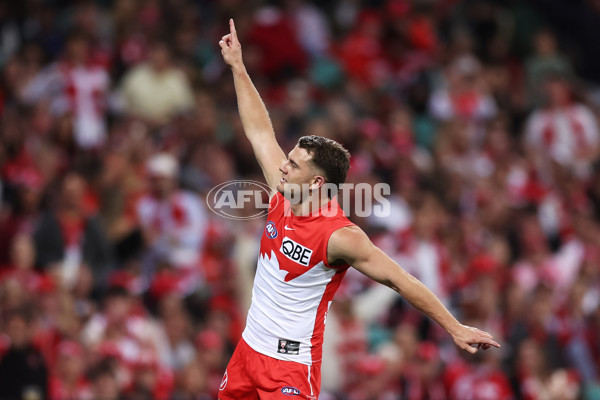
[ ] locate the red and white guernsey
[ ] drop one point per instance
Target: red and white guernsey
(294, 284)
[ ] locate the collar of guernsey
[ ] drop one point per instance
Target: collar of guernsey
(294, 284)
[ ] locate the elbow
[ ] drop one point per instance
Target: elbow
(389, 283)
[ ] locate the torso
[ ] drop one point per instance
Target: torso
(294, 283)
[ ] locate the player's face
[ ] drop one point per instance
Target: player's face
(297, 172)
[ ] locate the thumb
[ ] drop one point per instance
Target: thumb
(470, 349)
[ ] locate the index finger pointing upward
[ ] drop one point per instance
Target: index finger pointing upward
(232, 28)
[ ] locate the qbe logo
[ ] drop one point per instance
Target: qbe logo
(270, 230)
(290, 391)
(240, 199)
(296, 252)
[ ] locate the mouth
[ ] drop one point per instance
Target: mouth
(282, 180)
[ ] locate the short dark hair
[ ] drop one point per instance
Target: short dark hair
(329, 156)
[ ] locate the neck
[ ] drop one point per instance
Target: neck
(311, 204)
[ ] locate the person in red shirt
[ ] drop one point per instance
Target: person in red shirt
(68, 379)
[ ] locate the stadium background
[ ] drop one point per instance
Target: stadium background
(481, 114)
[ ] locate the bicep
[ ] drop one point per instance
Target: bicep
(381, 268)
(354, 247)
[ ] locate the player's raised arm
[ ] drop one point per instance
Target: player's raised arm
(353, 246)
(255, 118)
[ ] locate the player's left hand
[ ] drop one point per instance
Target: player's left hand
(466, 337)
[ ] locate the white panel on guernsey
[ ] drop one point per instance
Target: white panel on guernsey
(283, 313)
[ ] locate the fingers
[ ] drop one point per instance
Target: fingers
(488, 341)
(485, 343)
(227, 39)
(232, 29)
(222, 44)
(485, 338)
(476, 342)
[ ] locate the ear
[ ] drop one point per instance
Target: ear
(316, 182)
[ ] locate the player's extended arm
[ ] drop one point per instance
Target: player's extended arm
(353, 246)
(254, 115)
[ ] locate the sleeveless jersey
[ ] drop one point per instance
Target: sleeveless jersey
(294, 285)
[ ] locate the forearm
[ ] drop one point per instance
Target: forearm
(352, 245)
(424, 300)
(253, 113)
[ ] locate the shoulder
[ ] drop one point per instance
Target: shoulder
(138, 73)
(348, 243)
(535, 120)
(348, 235)
(583, 111)
(538, 114)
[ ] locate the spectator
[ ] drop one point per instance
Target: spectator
(104, 382)
(172, 220)
(23, 371)
(20, 270)
(121, 327)
(25, 213)
(177, 328)
(481, 380)
(564, 131)
(311, 26)
(145, 379)
(68, 379)
(77, 87)
(211, 355)
(70, 236)
(421, 376)
(538, 381)
(466, 94)
(546, 61)
(156, 91)
(273, 36)
(192, 384)
(362, 52)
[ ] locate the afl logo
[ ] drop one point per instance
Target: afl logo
(290, 391)
(270, 230)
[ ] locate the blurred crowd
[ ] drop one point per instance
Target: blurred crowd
(118, 117)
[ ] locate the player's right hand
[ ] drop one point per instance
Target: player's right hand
(231, 49)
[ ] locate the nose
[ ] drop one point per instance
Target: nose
(283, 167)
